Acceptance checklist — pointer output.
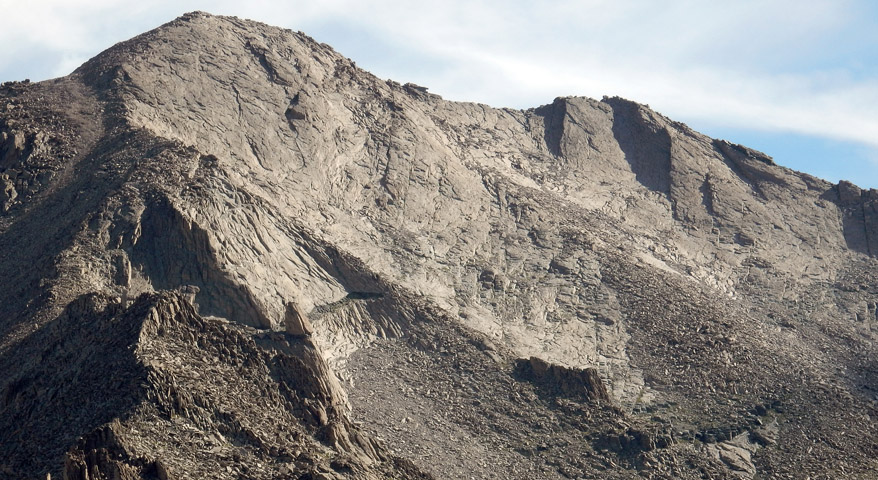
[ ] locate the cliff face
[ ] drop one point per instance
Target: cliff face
(235, 253)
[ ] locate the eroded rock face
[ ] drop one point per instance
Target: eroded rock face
(859, 216)
(296, 322)
(199, 397)
(265, 244)
(556, 380)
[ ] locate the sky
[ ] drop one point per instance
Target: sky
(797, 80)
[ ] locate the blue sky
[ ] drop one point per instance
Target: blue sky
(797, 80)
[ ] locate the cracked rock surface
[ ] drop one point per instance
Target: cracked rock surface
(228, 252)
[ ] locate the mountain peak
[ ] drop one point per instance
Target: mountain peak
(198, 34)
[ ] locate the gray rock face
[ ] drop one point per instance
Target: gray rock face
(295, 322)
(584, 384)
(859, 216)
(292, 268)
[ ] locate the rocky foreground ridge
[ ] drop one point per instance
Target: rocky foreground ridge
(230, 253)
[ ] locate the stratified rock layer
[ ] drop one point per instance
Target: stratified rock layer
(231, 253)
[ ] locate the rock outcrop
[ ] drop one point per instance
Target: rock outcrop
(230, 253)
(859, 216)
(296, 322)
(585, 384)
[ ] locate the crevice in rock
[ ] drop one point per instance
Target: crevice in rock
(647, 147)
(553, 124)
(707, 196)
(263, 54)
(859, 216)
(173, 252)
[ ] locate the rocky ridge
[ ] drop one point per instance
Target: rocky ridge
(292, 268)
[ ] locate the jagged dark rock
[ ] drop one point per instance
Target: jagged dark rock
(584, 384)
(230, 253)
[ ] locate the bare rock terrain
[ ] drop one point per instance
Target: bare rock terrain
(228, 252)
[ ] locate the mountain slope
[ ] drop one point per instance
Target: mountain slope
(404, 286)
